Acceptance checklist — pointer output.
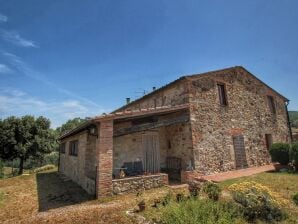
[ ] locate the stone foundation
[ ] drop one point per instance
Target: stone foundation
(133, 184)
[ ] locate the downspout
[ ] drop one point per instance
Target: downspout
(289, 123)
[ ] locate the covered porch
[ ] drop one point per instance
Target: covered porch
(143, 149)
(152, 143)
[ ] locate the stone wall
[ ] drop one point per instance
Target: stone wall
(247, 114)
(134, 184)
(171, 95)
(174, 140)
(74, 166)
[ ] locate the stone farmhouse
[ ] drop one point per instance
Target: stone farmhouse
(196, 125)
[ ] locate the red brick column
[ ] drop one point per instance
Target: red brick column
(104, 149)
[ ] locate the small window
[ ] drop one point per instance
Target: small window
(269, 141)
(222, 94)
(74, 148)
(62, 147)
(271, 104)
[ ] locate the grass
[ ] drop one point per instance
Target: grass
(206, 211)
(285, 184)
(44, 197)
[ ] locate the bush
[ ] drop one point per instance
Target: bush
(280, 153)
(44, 168)
(1, 169)
(195, 188)
(258, 201)
(167, 198)
(51, 158)
(295, 198)
(212, 190)
(294, 155)
(199, 211)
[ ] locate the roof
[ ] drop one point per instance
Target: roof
(126, 115)
(194, 76)
(122, 113)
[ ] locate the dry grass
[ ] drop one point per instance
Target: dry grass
(44, 197)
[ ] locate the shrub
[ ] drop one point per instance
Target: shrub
(280, 153)
(212, 190)
(199, 211)
(294, 155)
(295, 198)
(258, 201)
(44, 168)
(1, 169)
(195, 188)
(51, 158)
(180, 197)
(167, 199)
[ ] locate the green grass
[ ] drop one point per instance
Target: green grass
(197, 211)
(207, 211)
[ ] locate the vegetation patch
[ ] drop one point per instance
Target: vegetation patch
(295, 198)
(44, 168)
(258, 201)
(280, 153)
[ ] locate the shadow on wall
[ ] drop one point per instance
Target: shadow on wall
(55, 191)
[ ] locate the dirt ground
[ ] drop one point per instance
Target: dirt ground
(48, 198)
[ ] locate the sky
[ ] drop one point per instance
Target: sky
(64, 59)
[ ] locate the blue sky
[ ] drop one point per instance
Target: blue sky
(64, 59)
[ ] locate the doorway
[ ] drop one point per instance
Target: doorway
(151, 153)
(240, 155)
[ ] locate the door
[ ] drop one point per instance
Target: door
(239, 149)
(151, 156)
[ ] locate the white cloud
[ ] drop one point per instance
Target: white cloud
(3, 18)
(24, 68)
(15, 38)
(18, 103)
(4, 69)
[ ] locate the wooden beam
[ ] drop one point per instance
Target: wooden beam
(153, 125)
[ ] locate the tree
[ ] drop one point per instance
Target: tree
(25, 137)
(69, 125)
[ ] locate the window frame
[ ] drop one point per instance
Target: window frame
(74, 148)
(222, 94)
(271, 104)
(62, 147)
(268, 140)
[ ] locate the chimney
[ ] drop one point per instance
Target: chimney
(153, 88)
(127, 100)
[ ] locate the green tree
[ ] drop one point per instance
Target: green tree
(69, 125)
(24, 138)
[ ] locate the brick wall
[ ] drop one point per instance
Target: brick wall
(104, 150)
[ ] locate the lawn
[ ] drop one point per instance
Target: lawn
(45, 197)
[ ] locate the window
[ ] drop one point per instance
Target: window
(271, 104)
(62, 147)
(73, 148)
(269, 141)
(222, 94)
